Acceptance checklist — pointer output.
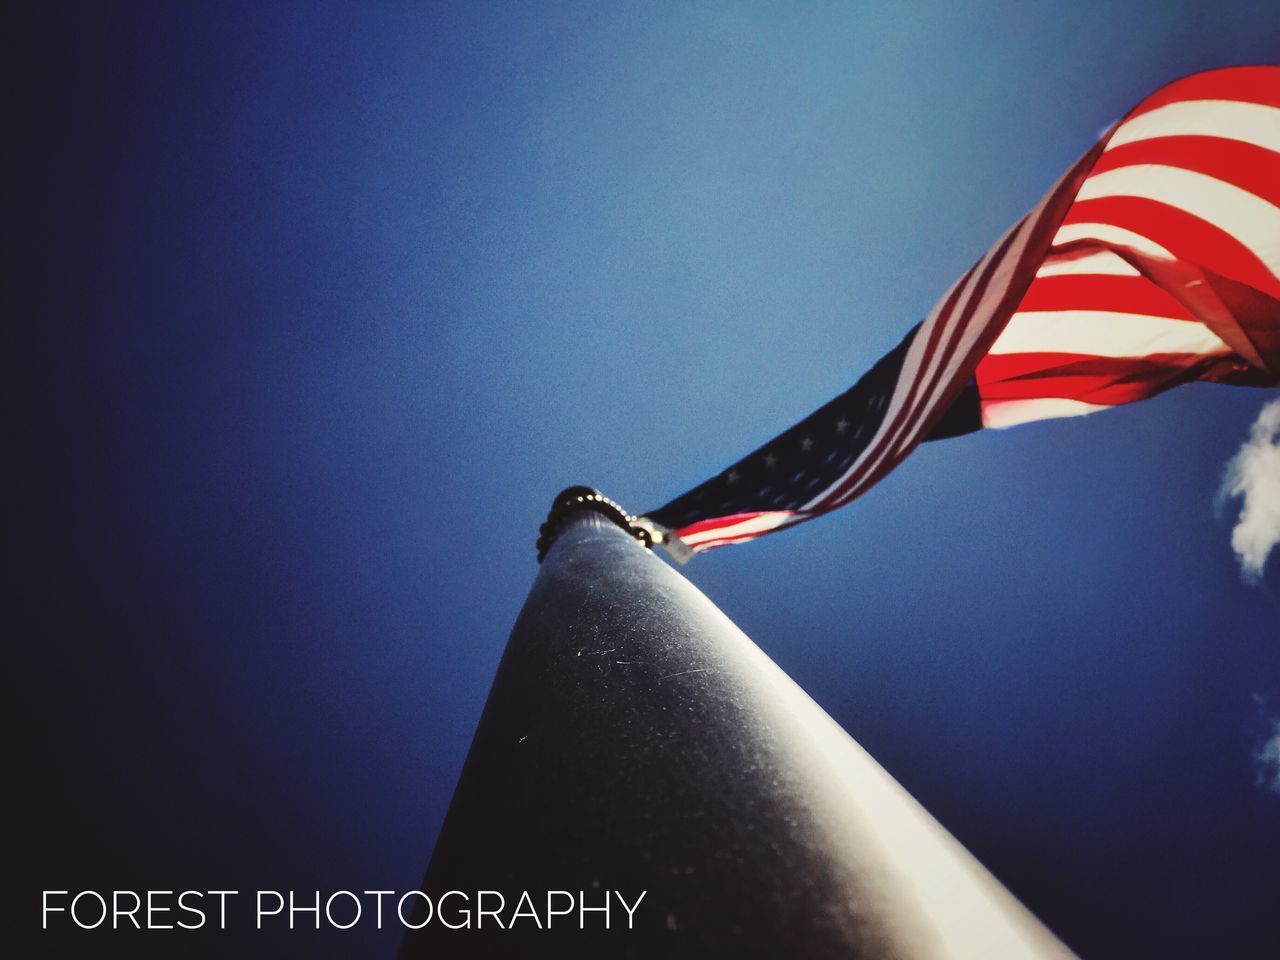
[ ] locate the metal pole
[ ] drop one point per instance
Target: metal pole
(636, 740)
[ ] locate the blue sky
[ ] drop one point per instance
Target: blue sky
(326, 303)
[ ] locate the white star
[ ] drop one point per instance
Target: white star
(842, 425)
(732, 476)
(806, 444)
(770, 460)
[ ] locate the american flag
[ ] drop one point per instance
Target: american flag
(1154, 261)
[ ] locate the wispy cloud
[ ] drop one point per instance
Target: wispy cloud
(1253, 474)
(1266, 760)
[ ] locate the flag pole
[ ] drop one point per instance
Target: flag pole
(636, 742)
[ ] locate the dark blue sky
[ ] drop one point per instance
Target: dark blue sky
(320, 305)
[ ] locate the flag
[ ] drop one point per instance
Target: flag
(1154, 261)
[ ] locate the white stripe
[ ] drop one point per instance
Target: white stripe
(1025, 228)
(997, 414)
(721, 537)
(1253, 123)
(1102, 333)
(977, 326)
(1101, 262)
(759, 524)
(1247, 217)
(910, 371)
(1109, 233)
(961, 307)
(735, 538)
(911, 368)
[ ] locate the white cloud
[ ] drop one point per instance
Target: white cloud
(1266, 760)
(1253, 474)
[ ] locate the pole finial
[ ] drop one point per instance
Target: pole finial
(574, 499)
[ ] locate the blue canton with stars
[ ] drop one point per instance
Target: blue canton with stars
(791, 469)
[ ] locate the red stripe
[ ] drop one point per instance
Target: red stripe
(726, 541)
(1186, 236)
(741, 537)
(825, 504)
(830, 499)
(1110, 380)
(1049, 218)
(1092, 291)
(714, 523)
(1246, 165)
(1049, 221)
(711, 545)
(895, 450)
(1247, 84)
